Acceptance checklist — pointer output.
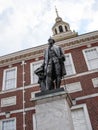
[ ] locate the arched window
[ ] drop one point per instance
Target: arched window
(55, 31)
(60, 28)
(66, 28)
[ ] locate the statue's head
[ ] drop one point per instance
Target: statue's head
(51, 41)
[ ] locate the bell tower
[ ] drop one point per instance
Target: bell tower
(61, 30)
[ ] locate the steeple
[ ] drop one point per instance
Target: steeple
(58, 19)
(56, 11)
(61, 30)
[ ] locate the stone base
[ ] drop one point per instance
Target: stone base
(53, 111)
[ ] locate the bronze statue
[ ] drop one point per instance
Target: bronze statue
(53, 66)
(40, 73)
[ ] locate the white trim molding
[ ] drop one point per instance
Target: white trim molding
(84, 53)
(33, 94)
(9, 119)
(18, 111)
(9, 101)
(84, 107)
(73, 87)
(71, 64)
(4, 76)
(95, 82)
(34, 122)
(86, 97)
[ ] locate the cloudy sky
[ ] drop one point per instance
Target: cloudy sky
(27, 23)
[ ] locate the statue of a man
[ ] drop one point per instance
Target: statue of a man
(53, 65)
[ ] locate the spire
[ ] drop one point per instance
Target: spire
(58, 18)
(56, 11)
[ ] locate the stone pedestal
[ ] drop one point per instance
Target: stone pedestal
(53, 111)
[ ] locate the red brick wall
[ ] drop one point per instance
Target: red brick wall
(19, 101)
(85, 80)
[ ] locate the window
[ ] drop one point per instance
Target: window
(9, 124)
(95, 82)
(55, 31)
(66, 28)
(34, 66)
(69, 66)
(91, 57)
(60, 28)
(80, 118)
(9, 80)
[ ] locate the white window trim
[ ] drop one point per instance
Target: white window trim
(34, 122)
(4, 73)
(33, 94)
(75, 90)
(72, 63)
(31, 69)
(6, 120)
(85, 112)
(8, 104)
(93, 82)
(86, 57)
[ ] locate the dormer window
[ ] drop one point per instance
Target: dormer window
(60, 29)
(55, 31)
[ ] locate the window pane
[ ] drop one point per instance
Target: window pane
(92, 58)
(8, 125)
(93, 63)
(10, 78)
(69, 65)
(69, 69)
(95, 82)
(10, 74)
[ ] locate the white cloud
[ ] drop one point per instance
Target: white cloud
(27, 23)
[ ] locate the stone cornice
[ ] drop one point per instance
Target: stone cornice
(80, 42)
(27, 54)
(36, 52)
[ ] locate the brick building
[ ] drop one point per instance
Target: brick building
(18, 83)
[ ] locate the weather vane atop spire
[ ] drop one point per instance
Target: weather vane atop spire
(56, 11)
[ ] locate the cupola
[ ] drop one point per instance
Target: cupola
(61, 30)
